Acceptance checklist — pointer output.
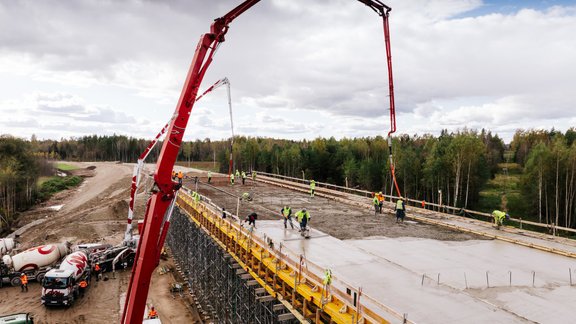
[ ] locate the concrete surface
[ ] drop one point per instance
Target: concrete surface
(391, 271)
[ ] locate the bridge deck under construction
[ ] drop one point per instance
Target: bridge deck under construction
(422, 280)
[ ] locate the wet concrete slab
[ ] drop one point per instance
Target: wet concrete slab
(392, 271)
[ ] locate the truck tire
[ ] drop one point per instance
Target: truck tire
(15, 282)
(40, 277)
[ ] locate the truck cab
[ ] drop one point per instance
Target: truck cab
(59, 288)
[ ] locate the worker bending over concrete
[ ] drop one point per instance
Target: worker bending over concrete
(499, 217)
(251, 219)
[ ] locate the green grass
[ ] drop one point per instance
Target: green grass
(504, 183)
(53, 185)
(65, 167)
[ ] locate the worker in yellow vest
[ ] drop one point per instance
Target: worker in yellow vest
(312, 188)
(376, 204)
(499, 217)
(400, 210)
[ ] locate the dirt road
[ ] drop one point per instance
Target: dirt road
(94, 212)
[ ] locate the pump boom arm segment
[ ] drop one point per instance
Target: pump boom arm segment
(151, 240)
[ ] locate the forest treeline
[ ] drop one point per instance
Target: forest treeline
(454, 165)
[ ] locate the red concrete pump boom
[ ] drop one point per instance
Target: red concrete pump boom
(152, 240)
(156, 221)
(384, 11)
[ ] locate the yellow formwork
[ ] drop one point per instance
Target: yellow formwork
(282, 277)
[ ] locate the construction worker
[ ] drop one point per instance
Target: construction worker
(400, 209)
(243, 177)
(23, 282)
(173, 175)
(209, 176)
(312, 187)
(247, 196)
(82, 287)
(253, 175)
(327, 280)
(303, 217)
(231, 179)
(152, 313)
(196, 196)
(237, 173)
(376, 204)
(97, 271)
(499, 218)
(423, 204)
(251, 219)
(380, 201)
(286, 212)
(180, 176)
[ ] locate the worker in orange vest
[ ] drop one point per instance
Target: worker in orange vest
(24, 282)
(97, 270)
(180, 176)
(82, 285)
(152, 313)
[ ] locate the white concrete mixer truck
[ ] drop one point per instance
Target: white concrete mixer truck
(35, 262)
(61, 287)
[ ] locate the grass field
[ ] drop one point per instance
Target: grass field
(65, 167)
(502, 192)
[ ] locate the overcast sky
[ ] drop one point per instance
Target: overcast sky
(298, 68)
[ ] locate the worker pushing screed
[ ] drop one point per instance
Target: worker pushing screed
(303, 217)
(286, 213)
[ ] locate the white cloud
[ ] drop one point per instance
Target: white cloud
(457, 63)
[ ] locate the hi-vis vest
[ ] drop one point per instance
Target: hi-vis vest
(399, 204)
(499, 214)
(286, 211)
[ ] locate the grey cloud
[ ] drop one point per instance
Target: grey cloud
(107, 115)
(70, 109)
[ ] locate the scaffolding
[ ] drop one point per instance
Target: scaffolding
(224, 291)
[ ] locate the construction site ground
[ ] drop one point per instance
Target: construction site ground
(95, 212)
(433, 273)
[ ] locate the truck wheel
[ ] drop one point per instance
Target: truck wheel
(40, 277)
(15, 282)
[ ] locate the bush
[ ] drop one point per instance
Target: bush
(56, 184)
